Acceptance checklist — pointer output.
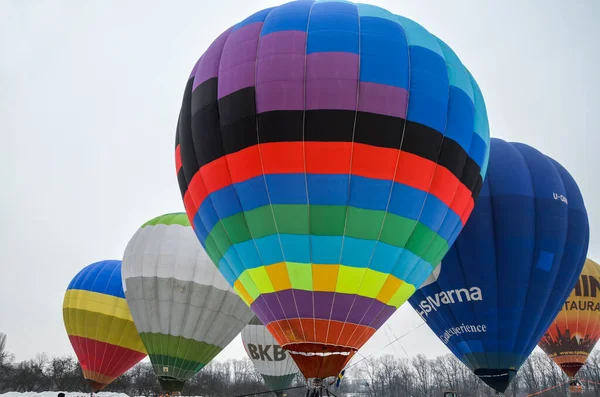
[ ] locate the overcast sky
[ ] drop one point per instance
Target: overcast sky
(90, 92)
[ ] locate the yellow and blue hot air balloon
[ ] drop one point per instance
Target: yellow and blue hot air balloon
(99, 324)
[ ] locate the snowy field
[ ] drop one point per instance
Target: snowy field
(55, 394)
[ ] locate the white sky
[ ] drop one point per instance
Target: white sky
(90, 92)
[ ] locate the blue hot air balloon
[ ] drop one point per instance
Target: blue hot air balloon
(510, 270)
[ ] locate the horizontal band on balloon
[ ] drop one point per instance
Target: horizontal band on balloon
(192, 280)
(104, 358)
(103, 278)
(310, 331)
(347, 165)
(232, 124)
(97, 380)
(163, 368)
(347, 282)
(337, 194)
(176, 218)
(368, 283)
(399, 244)
(571, 360)
(319, 16)
(383, 57)
(339, 307)
(279, 382)
(175, 368)
(96, 302)
(107, 329)
(95, 386)
(192, 309)
(178, 347)
(381, 47)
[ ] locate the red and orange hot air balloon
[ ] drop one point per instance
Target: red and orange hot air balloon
(575, 331)
(328, 154)
(99, 324)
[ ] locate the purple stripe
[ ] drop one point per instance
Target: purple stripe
(193, 73)
(382, 99)
(208, 64)
(280, 72)
(238, 62)
(331, 80)
(353, 309)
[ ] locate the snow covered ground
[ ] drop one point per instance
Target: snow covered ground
(55, 393)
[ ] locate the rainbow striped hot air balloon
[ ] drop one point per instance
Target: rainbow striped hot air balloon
(328, 154)
(99, 324)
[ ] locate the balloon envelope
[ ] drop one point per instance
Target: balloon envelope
(276, 366)
(185, 311)
(99, 324)
(512, 267)
(575, 331)
(328, 154)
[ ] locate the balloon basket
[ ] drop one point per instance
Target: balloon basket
(316, 388)
(575, 387)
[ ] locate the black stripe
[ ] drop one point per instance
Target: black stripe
(230, 124)
(184, 131)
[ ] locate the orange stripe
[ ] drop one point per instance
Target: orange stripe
(329, 158)
(320, 332)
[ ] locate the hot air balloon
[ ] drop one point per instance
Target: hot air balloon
(509, 272)
(274, 364)
(574, 332)
(185, 311)
(328, 153)
(99, 324)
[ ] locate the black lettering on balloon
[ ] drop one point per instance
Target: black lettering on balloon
(594, 286)
(253, 351)
(278, 353)
(264, 352)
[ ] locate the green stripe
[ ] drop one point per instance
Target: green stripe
(278, 382)
(325, 220)
(183, 357)
(176, 218)
(182, 370)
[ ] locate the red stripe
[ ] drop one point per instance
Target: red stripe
(328, 158)
(177, 158)
(318, 331)
(103, 358)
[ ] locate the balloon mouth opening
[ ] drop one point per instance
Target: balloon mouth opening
(497, 379)
(316, 360)
(96, 386)
(171, 385)
(571, 369)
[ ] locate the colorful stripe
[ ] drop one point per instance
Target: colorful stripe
(178, 357)
(107, 305)
(103, 328)
(335, 149)
(101, 277)
(107, 361)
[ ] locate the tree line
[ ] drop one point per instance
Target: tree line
(383, 376)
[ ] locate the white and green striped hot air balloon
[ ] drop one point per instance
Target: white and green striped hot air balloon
(183, 308)
(276, 366)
